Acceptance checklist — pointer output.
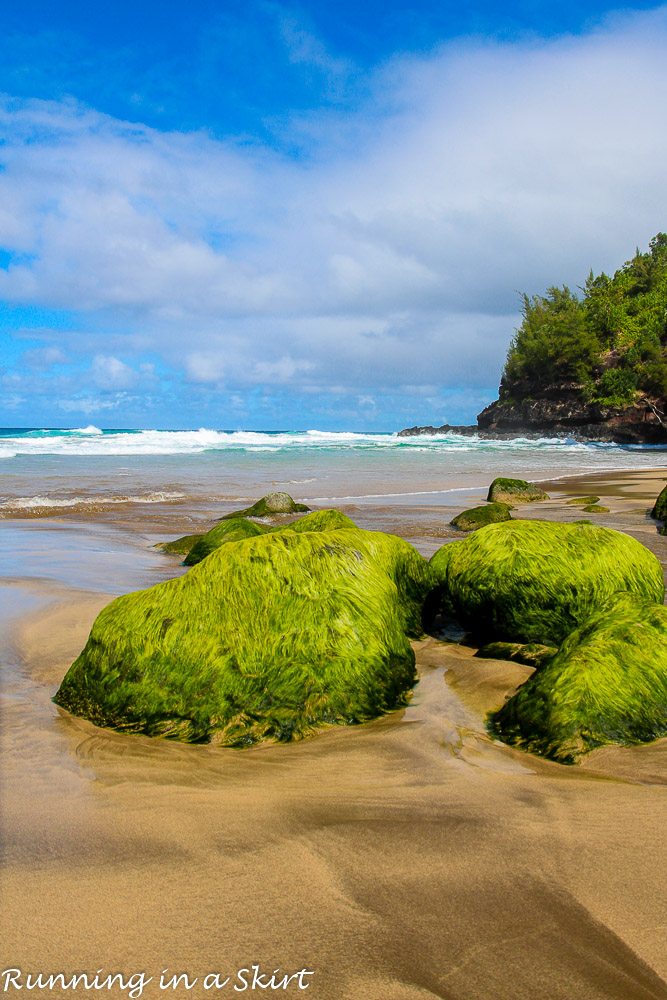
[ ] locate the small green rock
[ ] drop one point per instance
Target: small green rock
(477, 517)
(595, 508)
(179, 546)
(532, 654)
(582, 501)
(272, 503)
(513, 491)
(237, 528)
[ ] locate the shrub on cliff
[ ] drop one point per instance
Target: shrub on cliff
(536, 581)
(610, 344)
(265, 639)
(606, 684)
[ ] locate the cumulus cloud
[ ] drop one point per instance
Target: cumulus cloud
(110, 373)
(389, 252)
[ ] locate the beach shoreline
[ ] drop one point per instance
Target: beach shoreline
(406, 858)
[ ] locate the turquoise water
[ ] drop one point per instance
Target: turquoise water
(45, 470)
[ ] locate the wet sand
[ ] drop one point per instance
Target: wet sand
(408, 858)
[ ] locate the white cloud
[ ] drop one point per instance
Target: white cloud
(110, 373)
(390, 252)
(204, 366)
(43, 358)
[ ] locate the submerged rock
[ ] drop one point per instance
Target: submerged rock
(513, 491)
(582, 501)
(272, 503)
(266, 639)
(536, 581)
(606, 684)
(659, 511)
(477, 517)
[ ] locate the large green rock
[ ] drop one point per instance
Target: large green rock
(478, 517)
(265, 639)
(272, 503)
(659, 511)
(606, 684)
(536, 581)
(514, 491)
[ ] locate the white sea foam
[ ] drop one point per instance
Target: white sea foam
(43, 502)
(91, 441)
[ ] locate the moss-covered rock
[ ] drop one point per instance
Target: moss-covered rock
(514, 491)
(272, 503)
(477, 517)
(659, 511)
(536, 581)
(532, 654)
(319, 520)
(224, 532)
(596, 508)
(582, 501)
(179, 546)
(237, 528)
(606, 684)
(267, 638)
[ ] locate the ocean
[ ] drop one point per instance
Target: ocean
(88, 469)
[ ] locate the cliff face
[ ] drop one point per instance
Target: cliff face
(560, 411)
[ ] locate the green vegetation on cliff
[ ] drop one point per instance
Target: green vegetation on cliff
(608, 344)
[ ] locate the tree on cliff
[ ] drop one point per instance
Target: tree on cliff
(608, 344)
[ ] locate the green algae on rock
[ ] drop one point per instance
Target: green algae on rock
(236, 528)
(319, 520)
(265, 639)
(582, 501)
(272, 503)
(536, 581)
(225, 531)
(659, 511)
(477, 517)
(596, 508)
(532, 654)
(179, 546)
(513, 491)
(606, 684)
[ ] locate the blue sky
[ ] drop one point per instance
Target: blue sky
(266, 215)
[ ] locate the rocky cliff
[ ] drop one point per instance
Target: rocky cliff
(562, 412)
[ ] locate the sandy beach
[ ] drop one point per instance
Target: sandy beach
(408, 858)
